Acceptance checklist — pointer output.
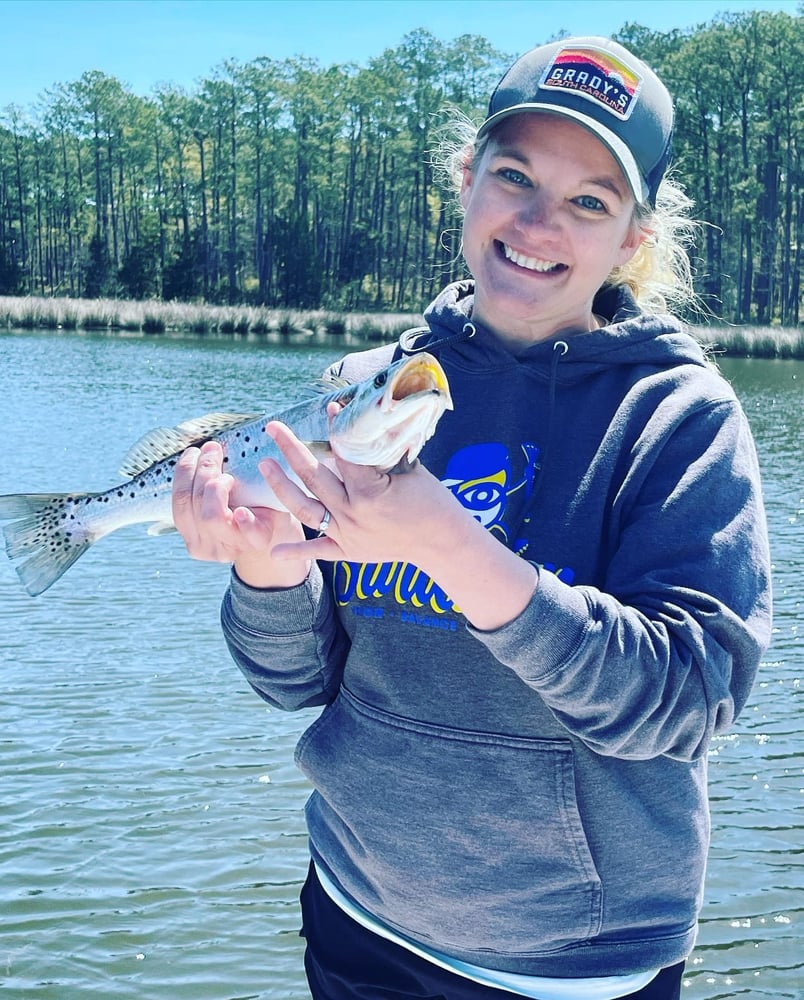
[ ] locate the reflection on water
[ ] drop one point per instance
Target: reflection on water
(751, 942)
(151, 837)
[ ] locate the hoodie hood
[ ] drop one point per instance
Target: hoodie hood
(630, 337)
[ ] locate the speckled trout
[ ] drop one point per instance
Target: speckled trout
(383, 421)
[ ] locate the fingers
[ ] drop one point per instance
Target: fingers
(211, 490)
(215, 532)
(195, 471)
(305, 508)
(331, 487)
(183, 476)
(313, 474)
(316, 487)
(201, 511)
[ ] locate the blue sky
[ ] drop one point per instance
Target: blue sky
(146, 42)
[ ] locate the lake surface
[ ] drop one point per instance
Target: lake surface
(151, 836)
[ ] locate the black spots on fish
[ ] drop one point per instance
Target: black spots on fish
(54, 541)
(120, 493)
(132, 495)
(225, 459)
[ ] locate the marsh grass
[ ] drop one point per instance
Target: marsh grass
(753, 341)
(302, 326)
(184, 319)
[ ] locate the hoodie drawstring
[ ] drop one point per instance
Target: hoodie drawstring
(467, 332)
(560, 348)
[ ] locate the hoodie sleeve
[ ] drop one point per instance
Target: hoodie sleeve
(662, 656)
(288, 643)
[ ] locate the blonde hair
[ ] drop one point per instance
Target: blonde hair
(659, 274)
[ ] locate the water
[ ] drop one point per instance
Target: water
(151, 837)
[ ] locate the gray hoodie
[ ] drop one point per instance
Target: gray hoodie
(533, 799)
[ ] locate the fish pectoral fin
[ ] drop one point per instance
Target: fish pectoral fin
(162, 442)
(162, 528)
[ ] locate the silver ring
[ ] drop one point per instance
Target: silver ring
(322, 528)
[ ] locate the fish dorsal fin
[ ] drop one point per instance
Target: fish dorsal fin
(166, 441)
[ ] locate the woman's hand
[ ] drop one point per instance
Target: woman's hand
(375, 517)
(213, 531)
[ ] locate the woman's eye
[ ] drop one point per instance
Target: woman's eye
(515, 176)
(590, 203)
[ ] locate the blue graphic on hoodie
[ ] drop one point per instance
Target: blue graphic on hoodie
(481, 478)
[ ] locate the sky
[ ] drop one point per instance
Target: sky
(147, 42)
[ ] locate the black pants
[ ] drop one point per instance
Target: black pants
(344, 960)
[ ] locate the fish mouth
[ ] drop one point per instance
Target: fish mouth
(386, 426)
(421, 375)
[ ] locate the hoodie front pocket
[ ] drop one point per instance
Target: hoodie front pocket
(468, 841)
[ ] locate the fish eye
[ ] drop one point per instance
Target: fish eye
(380, 380)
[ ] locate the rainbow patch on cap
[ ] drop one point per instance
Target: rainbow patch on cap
(596, 75)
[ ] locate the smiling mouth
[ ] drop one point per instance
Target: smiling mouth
(532, 263)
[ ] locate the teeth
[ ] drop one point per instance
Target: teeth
(530, 263)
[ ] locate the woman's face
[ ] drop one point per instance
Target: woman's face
(548, 215)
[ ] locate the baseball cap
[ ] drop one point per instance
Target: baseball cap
(606, 89)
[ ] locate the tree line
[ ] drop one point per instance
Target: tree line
(288, 183)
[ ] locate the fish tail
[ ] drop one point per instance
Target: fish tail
(43, 538)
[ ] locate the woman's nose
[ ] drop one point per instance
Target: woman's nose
(539, 211)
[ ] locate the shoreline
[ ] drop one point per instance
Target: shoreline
(151, 318)
(258, 324)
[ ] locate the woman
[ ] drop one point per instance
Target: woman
(526, 644)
